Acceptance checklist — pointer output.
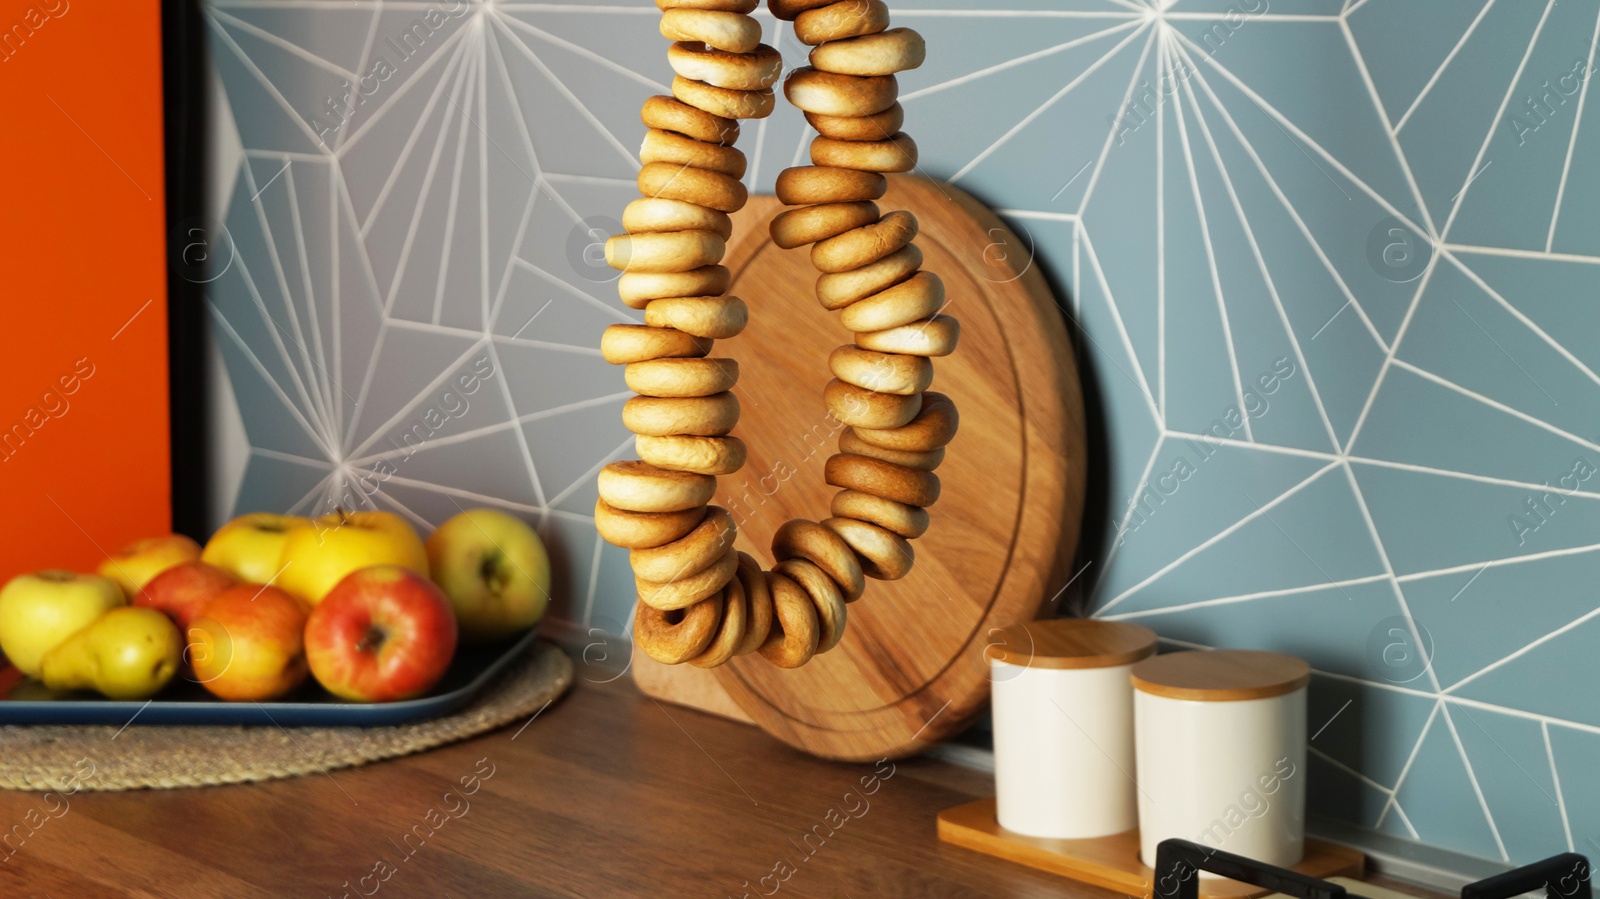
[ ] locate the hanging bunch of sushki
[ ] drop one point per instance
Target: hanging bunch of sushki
(700, 600)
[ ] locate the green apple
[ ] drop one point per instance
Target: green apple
(39, 611)
(495, 571)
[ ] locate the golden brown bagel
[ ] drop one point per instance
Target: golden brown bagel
(809, 224)
(788, 9)
(712, 317)
(730, 633)
(641, 530)
(753, 71)
(933, 336)
(682, 377)
(850, 443)
(897, 154)
(802, 185)
(907, 521)
(864, 245)
(759, 598)
(720, 101)
(702, 455)
(639, 288)
(883, 554)
(884, 53)
(840, 289)
(824, 594)
(839, 95)
(690, 554)
(675, 148)
(915, 298)
(885, 479)
(792, 638)
(695, 416)
(664, 251)
(674, 636)
(840, 21)
(672, 114)
(730, 31)
(686, 591)
(801, 539)
(622, 344)
(878, 126)
(713, 190)
(877, 372)
(654, 214)
(863, 408)
(934, 426)
(638, 487)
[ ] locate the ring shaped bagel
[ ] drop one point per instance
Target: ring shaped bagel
(878, 372)
(917, 297)
(936, 335)
(710, 317)
(664, 251)
(803, 185)
(802, 539)
(842, 20)
(824, 594)
(864, 245)
(683, 377)
(639, 487)
(637, 289)
(907, 521)
(720, 101)
(686, 591)
(850, 443)
(897, 154)
(865, 409)
(809, 224)
(670, 146)
(884, 53)
(672, 114)
(650, 214)
(674, 636)
(757, 70)
(691, 185)
(885, 479)
(640, 530)
(730, 633)
(690, 554)
(730, 31)
(840, 289)
(838, 95)
(759, 598)
(792, 639)
(934, 426)
(696, 416)
(878, 126)
(701, 455)
(622, 344)
(883, 554)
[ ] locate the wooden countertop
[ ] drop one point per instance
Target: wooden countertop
(607, 793)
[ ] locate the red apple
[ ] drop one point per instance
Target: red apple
(382, 634)
(183, 590)
(247, 643)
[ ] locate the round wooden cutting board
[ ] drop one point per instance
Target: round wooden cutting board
(910, 670)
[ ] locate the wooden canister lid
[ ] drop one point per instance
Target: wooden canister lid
(1070, 643)
(1221, 675)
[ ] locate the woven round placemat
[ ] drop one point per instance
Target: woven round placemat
(161, 757)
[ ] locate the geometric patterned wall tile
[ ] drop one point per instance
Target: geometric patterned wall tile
(1512, 768)
(1440, 796)
(1367, 730)
(1575, 755)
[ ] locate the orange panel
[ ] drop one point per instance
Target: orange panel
(83, 385)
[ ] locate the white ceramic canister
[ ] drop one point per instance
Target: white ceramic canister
(1063, 726)
(1222, 752)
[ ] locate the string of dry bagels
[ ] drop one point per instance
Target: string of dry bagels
(700, 600)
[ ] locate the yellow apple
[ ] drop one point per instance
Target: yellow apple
(39, 611)
(495, 570)
(251, 546)
(317, 555)
(135, 564)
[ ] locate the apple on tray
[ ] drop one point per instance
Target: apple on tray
(251, 546)
(319, 554)
(135, 564)
(495, 572)
(248, 643)
(183, 590)
(383, 634)
(39, 611)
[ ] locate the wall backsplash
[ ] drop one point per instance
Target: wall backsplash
(1334, 263)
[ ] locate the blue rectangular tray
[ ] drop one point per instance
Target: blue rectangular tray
(27, 701)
